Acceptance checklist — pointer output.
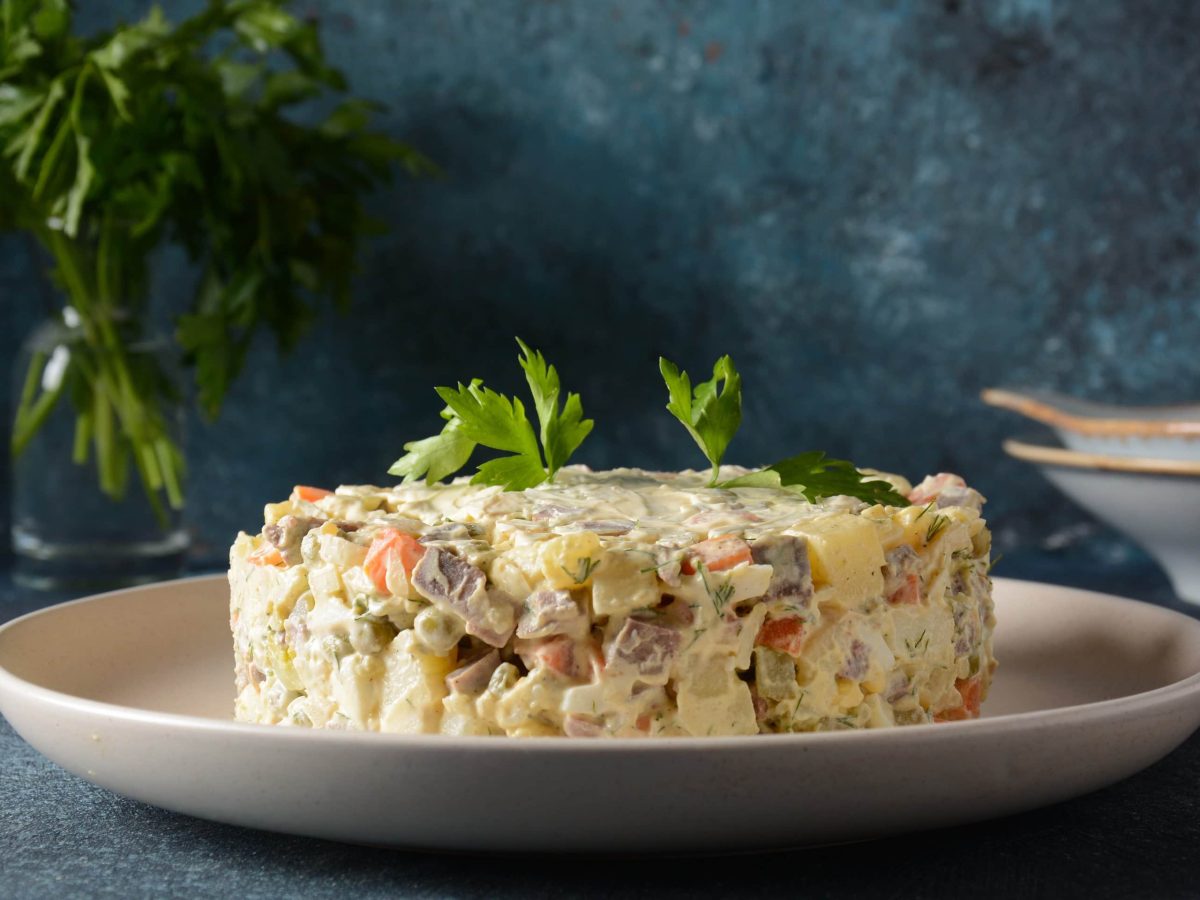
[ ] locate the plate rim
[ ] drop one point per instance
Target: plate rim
(1139, 702)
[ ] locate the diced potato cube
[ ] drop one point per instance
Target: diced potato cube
(621, 584)
(846, 555)
(357, 583)
(750, 625)
(273, 512)
(326, 584)
(713, 700)
(356, 688)
(340, 552)
(413, 687)
(570, 560)
(508, 577)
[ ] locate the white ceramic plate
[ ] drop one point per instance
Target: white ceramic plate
(133, 691)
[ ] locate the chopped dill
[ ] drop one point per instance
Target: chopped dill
(719, 595)
(799, 700)
(678, 559)
(921, 644)
(586, 567)
(936, 527)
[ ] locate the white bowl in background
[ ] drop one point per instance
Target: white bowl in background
(1155, 502)
(1150, 432)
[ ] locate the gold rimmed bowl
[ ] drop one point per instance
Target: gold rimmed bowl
(1154, 501)
(1105, 429)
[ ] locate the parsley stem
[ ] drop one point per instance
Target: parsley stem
(120, 410)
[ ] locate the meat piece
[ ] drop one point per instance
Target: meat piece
(288, 532)
(857, 662)
(606, 527)
(550, 612)
(676, 611)
(647, 649)
(761, 706)
(579, 726)
(961, 496)
(452, 531)
(791, 576)
(550, 511)
(901, 575)
(457, 586)
(898, 686)
(445, 580)
(666, 563)
(473, 677)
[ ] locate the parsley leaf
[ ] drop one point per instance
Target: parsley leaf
(710, 415)
(478, 416)
(561, 432)
(815, 475)
(437, 457)
(498, 422)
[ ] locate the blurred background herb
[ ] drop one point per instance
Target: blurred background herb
(155, 133)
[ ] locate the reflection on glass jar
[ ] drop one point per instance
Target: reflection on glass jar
(98, 465)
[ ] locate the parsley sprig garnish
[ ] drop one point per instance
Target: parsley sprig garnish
(476, 415)
(815, 475)
(712, 413)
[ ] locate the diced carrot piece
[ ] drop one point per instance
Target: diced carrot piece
(595, 658)
(266, 555)
(717, 554)
(971, 690)
(387, 543)
(557, 654)
(785, 634)
(643, 722)
(909, 592)
(310, 494)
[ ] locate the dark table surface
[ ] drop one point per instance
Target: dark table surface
(62, 837)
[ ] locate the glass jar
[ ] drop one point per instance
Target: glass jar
(97, 457)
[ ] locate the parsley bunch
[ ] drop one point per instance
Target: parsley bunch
(153, 133)
(711, 416)
(476, 415)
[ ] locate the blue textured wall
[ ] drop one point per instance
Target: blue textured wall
(877, 207)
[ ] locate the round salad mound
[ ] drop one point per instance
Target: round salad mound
(622, 603)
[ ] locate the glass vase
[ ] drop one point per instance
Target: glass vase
(97, 457)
